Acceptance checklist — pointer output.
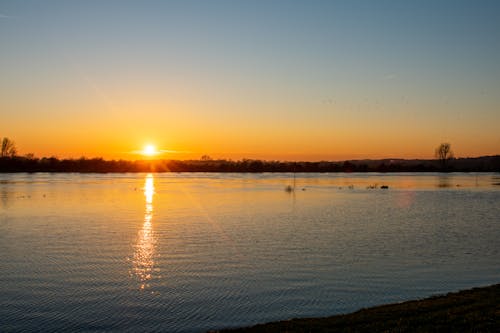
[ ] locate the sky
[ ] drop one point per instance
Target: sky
(269, 79)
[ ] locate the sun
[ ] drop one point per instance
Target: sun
(149, 150)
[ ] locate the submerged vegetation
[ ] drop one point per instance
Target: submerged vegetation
(475, 310)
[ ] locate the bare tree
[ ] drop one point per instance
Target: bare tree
(8, 148)
(444, 154)
(206, 158)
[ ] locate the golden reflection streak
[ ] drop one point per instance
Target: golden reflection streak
(143, 262)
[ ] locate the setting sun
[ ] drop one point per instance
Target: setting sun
(202, 166)
(149, 150)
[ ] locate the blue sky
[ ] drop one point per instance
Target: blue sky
(338, 72)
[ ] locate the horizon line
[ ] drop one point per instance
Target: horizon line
(242, 159)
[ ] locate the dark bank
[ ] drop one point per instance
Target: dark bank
(99, 165)
(474, 310)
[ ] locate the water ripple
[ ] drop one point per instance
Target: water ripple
(186, 253)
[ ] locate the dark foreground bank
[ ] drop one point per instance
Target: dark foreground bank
(475, 310)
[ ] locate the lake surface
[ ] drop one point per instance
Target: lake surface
(191, 252)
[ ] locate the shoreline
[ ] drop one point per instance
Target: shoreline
(471, 310)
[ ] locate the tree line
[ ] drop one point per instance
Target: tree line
(99, 165)
(10, 162)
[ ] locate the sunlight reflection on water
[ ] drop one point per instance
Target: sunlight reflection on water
(208, 251)
(143, 261)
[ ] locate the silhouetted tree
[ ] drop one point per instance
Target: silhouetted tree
(444, 153)
(8, 148)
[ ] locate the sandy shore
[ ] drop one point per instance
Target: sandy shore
(474, 310)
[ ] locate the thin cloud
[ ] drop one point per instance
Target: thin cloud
(390, 76)
(159, 152)
(174, 151)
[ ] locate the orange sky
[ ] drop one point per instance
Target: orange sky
(324, 82)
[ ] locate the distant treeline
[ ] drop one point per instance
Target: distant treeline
(52, 164)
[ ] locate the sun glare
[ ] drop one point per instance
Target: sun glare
(149, 150)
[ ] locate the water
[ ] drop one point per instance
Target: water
(191, 252)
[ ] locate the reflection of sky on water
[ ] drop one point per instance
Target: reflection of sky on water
(235, 247)
(4, 196)
(144, 248)
(444, 180)
(5, 192)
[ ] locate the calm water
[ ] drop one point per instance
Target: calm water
(191, 252)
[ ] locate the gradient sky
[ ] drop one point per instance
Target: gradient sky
(265, 79)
